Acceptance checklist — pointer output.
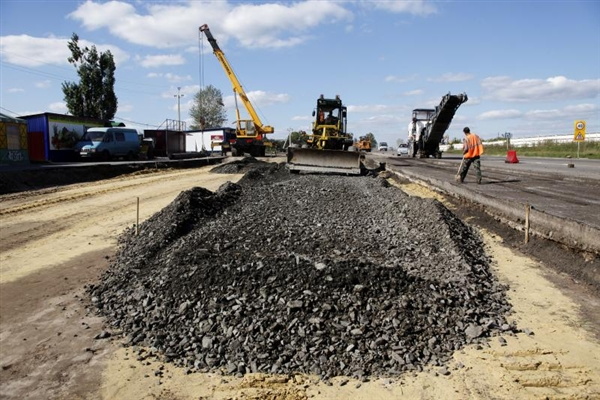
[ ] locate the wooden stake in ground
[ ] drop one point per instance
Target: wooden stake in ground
(527, 211)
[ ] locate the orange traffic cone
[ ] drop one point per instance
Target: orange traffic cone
(511, 157)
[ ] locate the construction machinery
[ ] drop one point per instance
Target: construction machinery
(329, 147)
(436, 122)
(250, 135)
(363, 144)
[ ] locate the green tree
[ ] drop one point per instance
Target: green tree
(208, 110)
(94, 95)
(298, 137)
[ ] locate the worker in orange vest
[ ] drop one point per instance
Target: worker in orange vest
(472, 151)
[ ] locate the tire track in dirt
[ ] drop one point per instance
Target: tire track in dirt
(88, 217)
(31, 200)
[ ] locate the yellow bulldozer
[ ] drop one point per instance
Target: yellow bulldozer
(363, 144)
(329, 148)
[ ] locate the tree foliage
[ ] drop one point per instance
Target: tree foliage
(94, 95)
(298, 137)
(208, 110)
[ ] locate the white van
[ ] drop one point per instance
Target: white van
(107, 143)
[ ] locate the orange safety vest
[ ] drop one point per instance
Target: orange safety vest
(472, 146)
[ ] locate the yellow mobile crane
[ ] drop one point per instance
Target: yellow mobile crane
(250, 133)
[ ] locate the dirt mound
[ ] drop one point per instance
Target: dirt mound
(297, 273)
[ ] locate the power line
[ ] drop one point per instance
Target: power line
(135, 122)
(10, 111)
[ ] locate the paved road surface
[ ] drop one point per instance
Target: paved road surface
(550, 186)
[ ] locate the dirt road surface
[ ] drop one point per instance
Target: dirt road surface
(55, 241)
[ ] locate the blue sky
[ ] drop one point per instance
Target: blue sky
(529, 67)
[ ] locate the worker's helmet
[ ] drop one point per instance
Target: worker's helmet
(466, 129)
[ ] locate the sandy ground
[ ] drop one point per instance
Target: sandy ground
(54, 242)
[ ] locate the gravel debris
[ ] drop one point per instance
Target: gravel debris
(288, 273)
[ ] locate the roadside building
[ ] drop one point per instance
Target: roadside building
(13, 140)
(52, 137)
(211, 140)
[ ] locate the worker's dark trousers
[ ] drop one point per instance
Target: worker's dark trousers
(416, 147)
(465, 168)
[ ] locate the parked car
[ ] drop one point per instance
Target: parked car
(107, 143)
(383, 146)
(402, 150)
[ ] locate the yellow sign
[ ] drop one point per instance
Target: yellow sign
(579, 133)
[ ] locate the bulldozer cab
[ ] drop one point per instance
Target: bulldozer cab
(330, 112)
(329, 126)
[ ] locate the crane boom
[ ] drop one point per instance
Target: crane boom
(259, 128)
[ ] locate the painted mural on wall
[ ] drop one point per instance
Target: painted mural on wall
(65, 134)
(13, 143)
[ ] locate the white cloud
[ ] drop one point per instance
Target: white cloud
(43, 84)
(161, 60)
(570, 112)
(399, 79)
(162, 26)
(373, 108)
(500, 114)
(16, 90)
(280, 25)
(415, 92)
(416, 7)
(176, 25)
(125, 108)
(542, 115)
(186, 92)
(58, 107)
(258, 98)
(582, 108)
(503, 88)
(302, 118)
(172, 78)
(29, 51)
(452, 77)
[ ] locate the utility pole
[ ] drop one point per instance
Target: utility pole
(179, 96)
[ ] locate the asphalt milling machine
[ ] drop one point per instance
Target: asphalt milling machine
(436, 122)
(329, 148)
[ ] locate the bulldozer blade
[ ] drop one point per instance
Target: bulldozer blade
(325, 161)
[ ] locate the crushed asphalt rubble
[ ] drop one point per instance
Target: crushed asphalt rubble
(316, 274)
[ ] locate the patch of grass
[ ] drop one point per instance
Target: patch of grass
(545, 149)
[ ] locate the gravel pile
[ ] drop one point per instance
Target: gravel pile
(284, 273)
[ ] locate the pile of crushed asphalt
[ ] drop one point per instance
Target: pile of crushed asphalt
(282, 273)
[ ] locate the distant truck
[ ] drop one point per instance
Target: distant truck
(383, 146)
(108, 143)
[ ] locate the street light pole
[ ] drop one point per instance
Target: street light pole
(179, 96)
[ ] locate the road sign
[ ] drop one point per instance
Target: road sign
(579, 131)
